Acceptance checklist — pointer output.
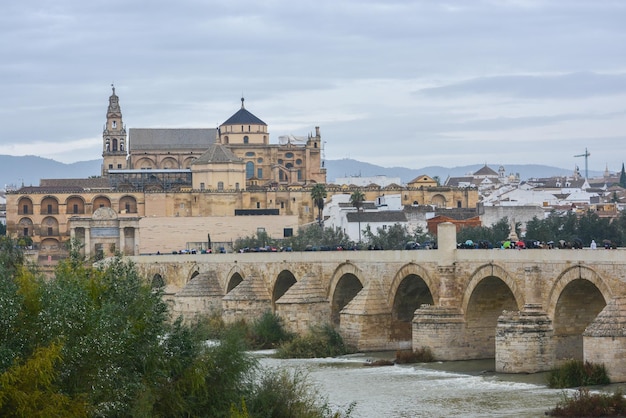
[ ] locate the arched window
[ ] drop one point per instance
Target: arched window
(249, 169)
(245, 139)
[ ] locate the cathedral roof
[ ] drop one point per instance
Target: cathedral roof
(243, 117)
(177, 138)
(485, 171)
(217, 153)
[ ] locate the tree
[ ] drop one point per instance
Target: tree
(356, 199)
(622, 177)
(318, 194)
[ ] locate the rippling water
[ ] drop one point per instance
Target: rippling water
(449, 389)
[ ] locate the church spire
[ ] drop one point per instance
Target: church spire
(242, 99)
(113, 137)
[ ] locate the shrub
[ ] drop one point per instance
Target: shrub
(584, 404)
(575, 373)
(267, 332)
(283, 393)
(320, 341)
(421, 355)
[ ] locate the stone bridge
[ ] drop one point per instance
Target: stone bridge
(530, 309)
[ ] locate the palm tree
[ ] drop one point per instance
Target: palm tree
(357, 198)
(318, 194)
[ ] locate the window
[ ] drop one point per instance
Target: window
(259, 173)
(127, 207)
(236, 186)
(384, 227)
(249, 169)
(299, 175)
(289, 155)
(298, 161)
(280, 161)
(220, 185)
(259, 160)
(49, 208)
(110, 166)
(458, 204)
(50, 232)
(25, 232)
(258, 205)
(119, 166)
(201, 186)
(25, 209)
(249, 154)
(114, 124)
(282, 205)
(75, 208)
(246, 139)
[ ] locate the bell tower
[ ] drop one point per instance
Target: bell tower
(113, 137)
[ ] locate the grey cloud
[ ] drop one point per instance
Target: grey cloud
(567, 86)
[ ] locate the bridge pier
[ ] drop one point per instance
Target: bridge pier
(524, 341)
(604, 340)
(247, 301)
(442, 329)
(304, 305)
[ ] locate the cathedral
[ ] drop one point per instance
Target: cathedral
(176, 186)
(167, 190)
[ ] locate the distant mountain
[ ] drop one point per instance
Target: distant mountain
(347, 167)
(28, 170)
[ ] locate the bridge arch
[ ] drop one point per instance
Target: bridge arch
(234, 277)
(345, 284)
(577, 297)
(411, 287)
(283, 282)
(490, 291)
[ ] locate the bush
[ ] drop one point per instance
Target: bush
(575, 373)
(320, 341)
(584, 404)
(421, 355)
(267, 332)
(282, 393)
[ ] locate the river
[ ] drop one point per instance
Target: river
(440, 389)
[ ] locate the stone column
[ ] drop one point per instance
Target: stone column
(524, 341)
(122, 240)
(442, 328)
(136, 240)
(87, 242)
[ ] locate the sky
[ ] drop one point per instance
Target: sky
(408, 83)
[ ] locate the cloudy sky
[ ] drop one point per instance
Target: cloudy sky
(408, 83)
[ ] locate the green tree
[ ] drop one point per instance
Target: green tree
(314, 236)
(356, 199)
(318, 194)
(394, 237)
(622, 177)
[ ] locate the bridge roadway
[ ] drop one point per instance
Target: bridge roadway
(530, 309)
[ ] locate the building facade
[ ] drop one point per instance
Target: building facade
(209, 176)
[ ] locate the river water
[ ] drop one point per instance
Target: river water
(441, 389)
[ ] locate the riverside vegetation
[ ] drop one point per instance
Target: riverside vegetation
(99, 342)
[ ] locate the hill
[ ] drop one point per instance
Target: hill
(28, 170)
(347, 167)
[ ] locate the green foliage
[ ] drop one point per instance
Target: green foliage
(282, 393)
(314, 236)
(575, 373)
(260, 240)
(421, 355)
(28, 389)
(494, 234)
(587, 226)
(318, 194)
(622, 177)
(584, 404)
(394, 237)
(267, 332)
(320, 341)
(3, 229)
